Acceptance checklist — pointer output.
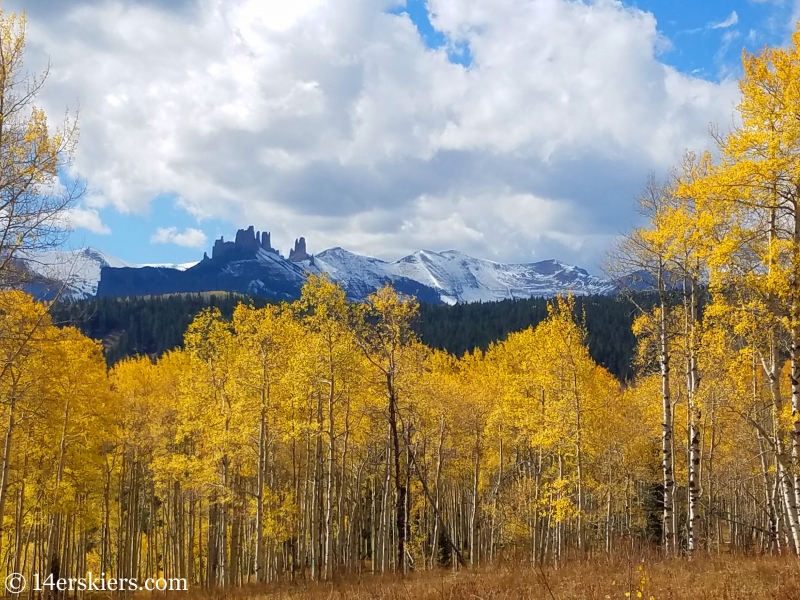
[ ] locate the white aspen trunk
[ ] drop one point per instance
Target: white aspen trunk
(190, 550)
(54, 534)
(385, 516)
(223, 527)
(304, 520)
(785, 476)
(342, 542)
(627, 504)
(19, 518)
(794, 372)
(769, 497)
(608, 515)
(4, 477)
(784, 462)
(315, 513)
(496, 494)
(437, 498)
(373, 526)
(578, 458)
(259, 565)
(775, 500)
(400, 489)
(692, 383)
(666, 426)
(794, 330)
(560, 523)
(473, 517)
(329, 480)
(794, 376)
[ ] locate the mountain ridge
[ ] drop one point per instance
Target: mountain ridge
(251, 266)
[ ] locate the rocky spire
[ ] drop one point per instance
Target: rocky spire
(265, 241)
(298, 253)
(247, 239)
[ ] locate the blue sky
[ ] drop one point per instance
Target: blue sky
(514, 130)
(130, 235)
(703, 38)
(706, 39)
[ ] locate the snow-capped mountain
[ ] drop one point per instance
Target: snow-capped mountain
(457, 277)
(75, 274)
(249, 265)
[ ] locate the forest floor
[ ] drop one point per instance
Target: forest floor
(723, 578)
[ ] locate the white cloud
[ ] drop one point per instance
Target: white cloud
(189, 238)
(86, 218)
(732, 20)
(463, 223)
(331, 119)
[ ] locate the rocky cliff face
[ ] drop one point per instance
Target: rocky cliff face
(263, 273)
(247, 241)
(248, 265)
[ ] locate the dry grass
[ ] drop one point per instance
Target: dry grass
(723, 578)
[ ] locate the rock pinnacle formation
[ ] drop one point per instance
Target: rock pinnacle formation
(298, 253)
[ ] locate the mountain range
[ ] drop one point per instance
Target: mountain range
(249, 265)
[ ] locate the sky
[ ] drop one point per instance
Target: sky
(511, 130)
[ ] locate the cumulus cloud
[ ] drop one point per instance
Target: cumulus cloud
(332, 119)
(189, 238)
(86, 218)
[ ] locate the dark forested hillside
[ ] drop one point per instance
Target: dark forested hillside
(142, 325)
(153, 325)
(462, 327)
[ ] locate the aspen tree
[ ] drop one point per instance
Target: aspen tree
(757, 186)
(74, 383)
(384, 332)
(210, 343)
(687, 223)
(326, 317)
(33, 201)
(24, 329)
(265, 337)
(645, 255)
(529, 449)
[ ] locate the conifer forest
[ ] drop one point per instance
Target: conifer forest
(271, 443)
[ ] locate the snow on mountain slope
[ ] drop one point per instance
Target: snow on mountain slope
(467, 279)
(358, 275)
(448, 277)
(458, 277)
(77, 270)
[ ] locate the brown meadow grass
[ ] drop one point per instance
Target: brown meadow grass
(723, 578)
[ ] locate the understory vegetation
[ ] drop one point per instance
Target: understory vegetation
(728, 578)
